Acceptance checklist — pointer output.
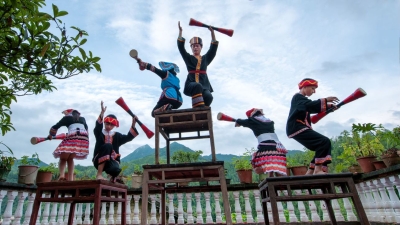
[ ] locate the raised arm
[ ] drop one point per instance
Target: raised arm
(99, 122)
(180, 29)
(162, 74)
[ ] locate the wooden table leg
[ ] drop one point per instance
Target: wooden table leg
(96, 207)
(145, 195)
(71, 213)
(225, 197)
(123, 213)
(36, 207)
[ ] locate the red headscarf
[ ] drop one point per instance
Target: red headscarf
(308, 82)
(253, 111)
(111, 119)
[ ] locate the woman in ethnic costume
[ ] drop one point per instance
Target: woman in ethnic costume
(197, 84)
(106, 155)
(271, 154)
(74, 146)
(170, 97)
(299, 127)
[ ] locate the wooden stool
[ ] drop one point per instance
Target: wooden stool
(156, 176)
(183, 121)
(327, 183)
(84, 191)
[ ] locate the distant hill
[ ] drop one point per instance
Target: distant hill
(138, 153)
(145, 151)
(145, 154)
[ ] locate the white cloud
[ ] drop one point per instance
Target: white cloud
(344, 45)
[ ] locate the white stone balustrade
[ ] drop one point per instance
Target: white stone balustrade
(379, 197)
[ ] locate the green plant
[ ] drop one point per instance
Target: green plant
(6, 162)
(52, 167)
(181, 156)
(389, 139)
(243, 162)
(137, 169)
(300, 159)
(25, 160)
(363, 141)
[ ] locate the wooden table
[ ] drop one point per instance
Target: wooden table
(156, 176)
(85, 191)
(327, 183)
(183, 121)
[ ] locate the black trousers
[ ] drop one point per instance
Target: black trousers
(318, 143)
(194, 88)
(107, 155)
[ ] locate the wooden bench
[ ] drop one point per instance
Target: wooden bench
(326, 183)
(85, 191)
(183, 121)
(156, 176)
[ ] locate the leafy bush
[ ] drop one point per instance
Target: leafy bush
(137, 169)
(52, 167)
(25, 160)
(243, 162)
(181, 156)
(6, 162)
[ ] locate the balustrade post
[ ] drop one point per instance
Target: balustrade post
(87, 214)
(282, 217)
(301, 207)
(378, 202)
(119, 211)
(199, 211)
(181, 220)
(111, 212)
(53, 214)
(290, 208)
(313, 210)
(136, 218)
(247, 208)
(238, 210)
(60, 219)
(325, 216)
(8, 211)
(389, 214)
(370, 204)
(208, 208)
(28, 211)
(260, 217)
(190, 219)
(394, 181)
(18, 212)
(153, 213)
(46, 211)
(103, 213)
(128, 209)
(218, 215)
(78, 213)
(171, 219)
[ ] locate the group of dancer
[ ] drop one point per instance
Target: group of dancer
(270, 157)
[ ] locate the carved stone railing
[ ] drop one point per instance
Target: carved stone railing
(378, 192)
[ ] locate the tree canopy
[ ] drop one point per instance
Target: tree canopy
(30, 54)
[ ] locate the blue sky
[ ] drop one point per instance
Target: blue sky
(343, 44)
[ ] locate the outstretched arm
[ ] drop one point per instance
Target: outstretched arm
(144, 65)
(180, 29)
(213, 39)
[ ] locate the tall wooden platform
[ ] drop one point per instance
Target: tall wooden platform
(156, 176)
(182, 121)
(85, 191)
(326, 183)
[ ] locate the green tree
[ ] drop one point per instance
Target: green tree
(30, 54)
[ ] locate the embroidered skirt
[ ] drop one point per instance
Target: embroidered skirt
(270, 157)
(77, 143)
